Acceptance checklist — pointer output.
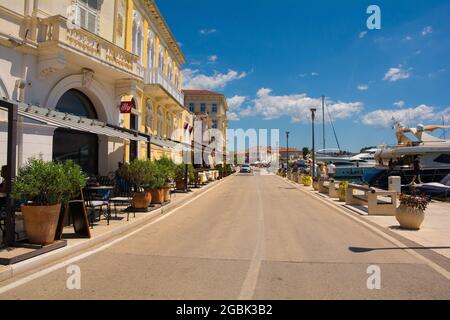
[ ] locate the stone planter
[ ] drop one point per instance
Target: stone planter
(41, 223)
(141, 200)
(315, 185)
(410, 218)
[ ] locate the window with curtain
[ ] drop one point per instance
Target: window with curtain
(150, 50)
(137, 38)
(169, 126)
(161, 58)
(87, 14)
(149, 115)
(169, 67)
(160, 122)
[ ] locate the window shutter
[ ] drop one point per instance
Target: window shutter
(92, 23)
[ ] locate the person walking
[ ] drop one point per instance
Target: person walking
(417, 169)
(331, 170)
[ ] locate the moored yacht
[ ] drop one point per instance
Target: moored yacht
(432, 152)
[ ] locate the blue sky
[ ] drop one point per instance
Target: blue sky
(274, 60)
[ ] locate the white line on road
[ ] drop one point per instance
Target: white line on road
(251, 279)
(70, 261)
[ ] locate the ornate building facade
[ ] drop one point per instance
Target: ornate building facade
(87, 58)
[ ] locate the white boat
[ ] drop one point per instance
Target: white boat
(433, 153)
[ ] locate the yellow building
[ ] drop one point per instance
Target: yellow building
(210, 108)
(86, 57)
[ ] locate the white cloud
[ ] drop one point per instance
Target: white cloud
(296, 106)
(362, 34)
(213, 58)
(399, 104)
(236, 102)
(312, 74)
(207, 31)
(363, 87)
(410, 116)
(232, 116)
(193, 79)
(396, 74)
(427, 30)
(407, 38)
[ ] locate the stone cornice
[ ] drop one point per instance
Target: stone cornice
(161, 24)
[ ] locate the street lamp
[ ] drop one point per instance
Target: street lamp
(287, 149)
(313, 116)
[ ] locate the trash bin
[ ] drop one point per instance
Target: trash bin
(395, 184)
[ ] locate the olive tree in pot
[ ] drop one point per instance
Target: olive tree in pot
(47, 186)
(166, 167)
(157, 183)
(411, 212)
(180, 182)
(139, 174)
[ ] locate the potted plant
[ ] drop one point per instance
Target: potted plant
(157, 183)
(47, 186)
(411, 212)
(180, 182)
(139, 174)
(343, 186)
(166, 167)
(307, 181)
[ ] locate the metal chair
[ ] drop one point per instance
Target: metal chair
(123, 195)
(97, 202)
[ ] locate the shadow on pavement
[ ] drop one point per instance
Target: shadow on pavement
(362, 250)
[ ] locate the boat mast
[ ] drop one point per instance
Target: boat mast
(323, 121)
(334, 131)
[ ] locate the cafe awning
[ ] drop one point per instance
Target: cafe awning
(69, 121)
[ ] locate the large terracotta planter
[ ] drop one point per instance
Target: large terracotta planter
(166, 193)
(141, 200)
(41, 223)
(157, 196)
(409, 218)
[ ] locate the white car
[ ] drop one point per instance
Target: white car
(245, 168)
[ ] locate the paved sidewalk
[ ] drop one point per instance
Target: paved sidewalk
(435, 231)
(102, 233)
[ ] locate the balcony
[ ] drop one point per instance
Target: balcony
(156, 81)
(59, 40)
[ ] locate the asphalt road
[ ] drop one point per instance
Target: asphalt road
(252, 237)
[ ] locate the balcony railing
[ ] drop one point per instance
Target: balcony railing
(58, 30)
(156, 76)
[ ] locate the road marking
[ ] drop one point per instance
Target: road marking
(251, 279)
(87, 254)
(379, 232)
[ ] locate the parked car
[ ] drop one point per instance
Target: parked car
(246, 168)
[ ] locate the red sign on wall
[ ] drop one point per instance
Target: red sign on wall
(126, 106)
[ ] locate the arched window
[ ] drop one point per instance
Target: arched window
(137, 34)
(169, 126)
(161, 58)
(169, 67)
(150, 49)
(80, 147)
